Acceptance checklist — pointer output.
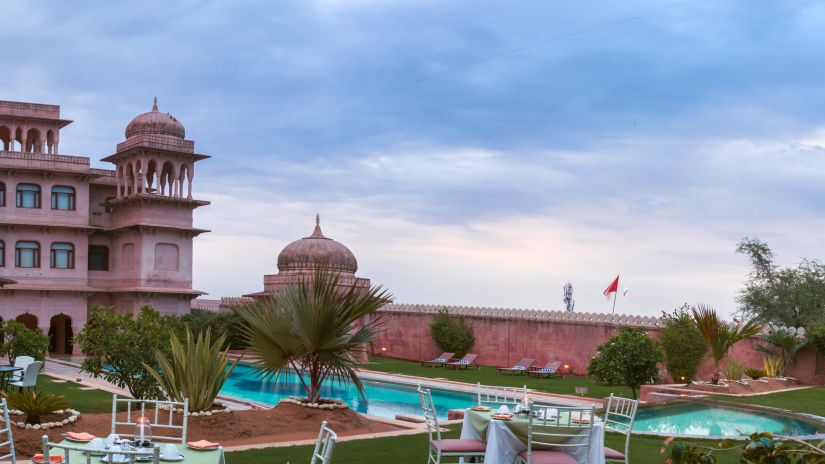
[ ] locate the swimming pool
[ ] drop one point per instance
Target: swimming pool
(703, 420)
(384, 399)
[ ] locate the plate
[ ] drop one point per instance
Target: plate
(502, 416)
(123, 460)
(481, 408)
(79, 440)
(178, 457)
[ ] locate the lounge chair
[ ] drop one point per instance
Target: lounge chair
(439, 361)
(465, 362)
(549, 370)
(520, 368)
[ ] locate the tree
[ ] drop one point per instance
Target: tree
(19, 340)
(719, 335)
(630, 358)
(451, 333)
(816, 337)
(682, 344)
(784, 343)
(789, 296)
(119, 346)
(315, 328)
(199, 321)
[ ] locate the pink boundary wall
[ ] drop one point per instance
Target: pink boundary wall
(503, 336)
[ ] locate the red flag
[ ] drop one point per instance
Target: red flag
(613, 288)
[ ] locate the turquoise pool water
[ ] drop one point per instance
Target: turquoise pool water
(384, 399)
(714, 421)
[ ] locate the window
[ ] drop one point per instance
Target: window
(62, 256)
(2, 253)
(98, 258)
(2, 194)
(28, 196)
(166, 257)
(62, 197)
(27, 254)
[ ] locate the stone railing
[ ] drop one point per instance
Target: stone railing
(17, 155)
(528, 314)
(31, 110)
(159, 142)
(102, 172)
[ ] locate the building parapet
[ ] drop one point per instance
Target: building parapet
(157, 142)
(528, 314)
(29, 110)
(16, 155)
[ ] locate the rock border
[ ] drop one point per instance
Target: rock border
(331, 403)
(224, 410)
(74, 414)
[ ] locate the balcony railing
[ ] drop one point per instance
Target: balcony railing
(159, 142)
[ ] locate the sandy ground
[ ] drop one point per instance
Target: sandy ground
(285, 422)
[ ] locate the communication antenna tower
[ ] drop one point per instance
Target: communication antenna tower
(569, 302)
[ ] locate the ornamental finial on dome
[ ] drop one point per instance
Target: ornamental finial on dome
(317, 232)
(155, 106)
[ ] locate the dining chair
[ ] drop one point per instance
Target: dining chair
(570, 429)
(50, 448)
(445, 447)
(324, 445)
(619, 416)
(29, 377)
(499, 395)
(22, 362)
(9, 441)
(160, 419)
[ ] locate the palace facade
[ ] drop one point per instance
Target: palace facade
(73, 236)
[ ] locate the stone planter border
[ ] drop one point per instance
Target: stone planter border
(73, 416)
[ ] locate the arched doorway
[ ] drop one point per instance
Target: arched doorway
(60, 334)
(29, 320)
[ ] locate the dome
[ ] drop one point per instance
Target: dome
(316, 251)
(155, 123)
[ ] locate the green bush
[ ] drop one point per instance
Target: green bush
(199, 321)
(683, 346)
(18, 340)
(35, 404)
(816, 337)
(196, 369)
(630, 358)
(759, 448)
(451, 333)
(755, 373)
(733, 370)
(118, 346)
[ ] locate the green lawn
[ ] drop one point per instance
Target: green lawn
(809, 400)
(490, 376)
(85, 401)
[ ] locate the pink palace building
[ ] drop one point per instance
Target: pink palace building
(73, 236)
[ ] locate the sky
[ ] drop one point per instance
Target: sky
(468, 153)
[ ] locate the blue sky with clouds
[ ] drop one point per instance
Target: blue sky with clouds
(468, 152)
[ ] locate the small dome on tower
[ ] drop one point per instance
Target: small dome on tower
(316, 251)
(155, 123)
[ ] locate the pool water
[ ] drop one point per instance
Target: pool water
(715, 421)
(384, 399)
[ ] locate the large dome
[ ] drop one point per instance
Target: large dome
(155, 123)
(316, 251)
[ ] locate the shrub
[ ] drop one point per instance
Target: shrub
(784, 342)
(451, 333)
(683, 346)
(196, 369)
(630, 358)
(719, 335)
(773, 366)
(118, 346)
(18, 340)
(230, 324)
(35, 404)
(755, 373)
(759, 448)
(733, 370)
(816, 337)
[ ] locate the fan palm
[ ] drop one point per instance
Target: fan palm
(720, 335)
(315, 328)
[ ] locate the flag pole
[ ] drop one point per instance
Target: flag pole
(614, 301)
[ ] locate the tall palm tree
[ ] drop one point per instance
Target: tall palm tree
(720, 335)
(315, 328)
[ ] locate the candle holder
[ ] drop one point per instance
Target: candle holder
(143, 433)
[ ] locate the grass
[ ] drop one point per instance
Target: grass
(85, 401)
(808, 400)
(490, 376)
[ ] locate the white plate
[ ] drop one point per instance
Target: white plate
(178, 457)
(118, 461)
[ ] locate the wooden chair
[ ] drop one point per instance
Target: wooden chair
(160, 420)
(29, 376)
(9, 441)
(520, 367)
(441, 447)
(570, 429)
(22, 362)
(499, 395)
(619, 416)
(549, 370)
(439, 361)
(468, 360)
(324, 445)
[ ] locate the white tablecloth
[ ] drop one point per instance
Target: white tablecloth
(503, 446)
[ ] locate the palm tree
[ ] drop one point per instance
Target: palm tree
(315, 328)
(720, 335)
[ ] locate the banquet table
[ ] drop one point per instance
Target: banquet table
(505, 439)
(190, 456)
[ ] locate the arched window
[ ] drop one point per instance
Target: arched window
(2, 253)
(28, 196)
(62, 256)
(27, 254)
(2, 194)
(62, 197)
(98, 258)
